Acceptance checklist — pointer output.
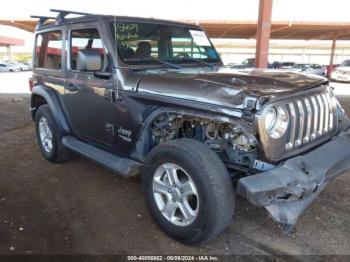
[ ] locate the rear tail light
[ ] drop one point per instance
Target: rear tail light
(31, 84)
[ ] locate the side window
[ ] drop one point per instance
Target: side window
(48, 50)
(86, 39)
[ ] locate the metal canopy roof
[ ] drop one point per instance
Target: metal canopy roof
(279, 29)
(5, 41)
(245, 29)
(25, 24)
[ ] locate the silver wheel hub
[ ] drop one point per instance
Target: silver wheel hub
(175, 194)
(45, 134)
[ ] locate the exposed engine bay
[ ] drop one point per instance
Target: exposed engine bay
(233, 144)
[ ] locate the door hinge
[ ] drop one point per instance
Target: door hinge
(112, 95)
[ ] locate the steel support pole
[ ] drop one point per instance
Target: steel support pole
(331, 61)
(9, 55)
(263, 34)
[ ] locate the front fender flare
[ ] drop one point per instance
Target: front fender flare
(142, 145)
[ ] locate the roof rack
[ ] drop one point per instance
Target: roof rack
(58, 19)
(42, 19)
(63, 13)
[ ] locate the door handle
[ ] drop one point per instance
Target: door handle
(71, 87)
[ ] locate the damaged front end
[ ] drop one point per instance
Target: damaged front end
(286, 190)
(281, 165)
(231, 140)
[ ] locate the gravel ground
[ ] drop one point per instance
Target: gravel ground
(80, 208)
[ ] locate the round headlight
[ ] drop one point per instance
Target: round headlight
(276, 121)
(270, 118)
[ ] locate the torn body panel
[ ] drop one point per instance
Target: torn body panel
(232, 139)
(287, 190)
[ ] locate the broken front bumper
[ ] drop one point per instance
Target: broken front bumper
(287, 190)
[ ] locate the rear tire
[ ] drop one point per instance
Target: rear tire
(212, 190)
(49, 138)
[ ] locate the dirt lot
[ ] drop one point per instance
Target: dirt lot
(80, 208)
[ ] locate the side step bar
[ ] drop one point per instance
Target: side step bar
(120, 165)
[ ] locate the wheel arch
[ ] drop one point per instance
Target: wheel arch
(143, 145)
(45, 95)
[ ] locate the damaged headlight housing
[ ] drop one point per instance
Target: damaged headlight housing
(276, 121)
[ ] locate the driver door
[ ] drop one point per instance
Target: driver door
(86, 96)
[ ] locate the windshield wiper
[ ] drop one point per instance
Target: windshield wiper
(166, 63)
(200, 62)
(157, 60)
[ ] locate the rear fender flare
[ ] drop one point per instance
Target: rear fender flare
(52, 100)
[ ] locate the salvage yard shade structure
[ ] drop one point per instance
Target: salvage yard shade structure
(8, 42)
(297, 30)
(288, 30)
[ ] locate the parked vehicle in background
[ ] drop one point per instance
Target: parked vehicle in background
(342, 72)
(281, 65)
(314, 69)
(8, 68)
(287, 65)
(248, 63)
(276, 65)
(16, 65)
(26, 66)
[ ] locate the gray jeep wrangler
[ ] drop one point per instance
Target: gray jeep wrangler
(151, 97)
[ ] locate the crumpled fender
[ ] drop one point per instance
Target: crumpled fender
(287, 190)
(287, 213)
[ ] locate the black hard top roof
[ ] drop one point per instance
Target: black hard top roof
(47, 22)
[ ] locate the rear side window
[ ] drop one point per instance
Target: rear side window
(48, 50)
(85, 39)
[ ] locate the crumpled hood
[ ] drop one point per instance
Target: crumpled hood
(225, 86)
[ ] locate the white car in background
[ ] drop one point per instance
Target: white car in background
(314, 69)
(8, 67)
(342, 72)
(25, 66)
(17, 65)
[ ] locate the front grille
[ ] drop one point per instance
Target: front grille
(311, 117)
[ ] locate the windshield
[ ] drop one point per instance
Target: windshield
(346, 63)
(149, 43)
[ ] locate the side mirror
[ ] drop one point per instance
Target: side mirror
(89, 60)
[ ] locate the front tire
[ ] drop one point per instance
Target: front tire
(188, 190)
(48, 136)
